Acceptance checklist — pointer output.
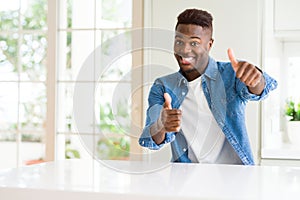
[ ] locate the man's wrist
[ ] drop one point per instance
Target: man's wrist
(157, 127)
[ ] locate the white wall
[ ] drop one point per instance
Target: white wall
(237, 24)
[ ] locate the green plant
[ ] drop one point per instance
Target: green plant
(113, 148)
(292, 110)
(115, 145)
(70, 152)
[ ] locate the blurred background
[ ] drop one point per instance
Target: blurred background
(45, 46)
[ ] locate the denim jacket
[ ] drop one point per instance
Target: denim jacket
(226, 96)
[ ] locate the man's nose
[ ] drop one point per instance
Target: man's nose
(186, 48)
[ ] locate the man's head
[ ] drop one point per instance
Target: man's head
(197, 17)
(193, 41)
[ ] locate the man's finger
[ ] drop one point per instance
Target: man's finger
(168, 101)
(232, 59)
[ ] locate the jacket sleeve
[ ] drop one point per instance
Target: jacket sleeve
(155, 101)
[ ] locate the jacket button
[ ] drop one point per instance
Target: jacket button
(184, 149)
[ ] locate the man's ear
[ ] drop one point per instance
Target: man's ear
(211, 43)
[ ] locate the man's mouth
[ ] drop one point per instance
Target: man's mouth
(186, 60)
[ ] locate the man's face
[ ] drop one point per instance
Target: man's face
(191, 47)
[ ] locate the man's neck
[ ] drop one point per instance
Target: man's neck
(195, 73)
(192, 75)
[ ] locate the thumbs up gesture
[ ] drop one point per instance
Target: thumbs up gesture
(169, 121)
(170, 118)
(168, 101)
(247, 73)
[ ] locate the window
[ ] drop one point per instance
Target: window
(23, 45)
(93, 102)
(277, 143)
(41, 63)
(281, 58)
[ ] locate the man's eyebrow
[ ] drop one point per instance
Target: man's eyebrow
(192, 37)
(195, 37)
(178, 36)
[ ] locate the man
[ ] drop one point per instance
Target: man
(200, 110)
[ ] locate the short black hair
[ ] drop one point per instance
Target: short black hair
(197, 17)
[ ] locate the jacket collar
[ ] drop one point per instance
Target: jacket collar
(212, 69)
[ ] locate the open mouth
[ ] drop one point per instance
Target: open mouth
(186, 60)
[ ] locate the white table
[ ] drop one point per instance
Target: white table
(89, 180)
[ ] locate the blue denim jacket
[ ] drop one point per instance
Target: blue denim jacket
(226, 96)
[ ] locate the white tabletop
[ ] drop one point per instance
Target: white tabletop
(89, 180)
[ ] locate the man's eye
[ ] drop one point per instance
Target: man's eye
(178, 42)
(194, 44)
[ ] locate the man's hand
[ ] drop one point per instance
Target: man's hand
(247, 73)
(170, 118)
(169, 121)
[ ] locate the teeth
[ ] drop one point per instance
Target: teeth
(189, 59)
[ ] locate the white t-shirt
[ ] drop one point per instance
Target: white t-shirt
(207, 142)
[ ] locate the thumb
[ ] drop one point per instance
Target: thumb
(232, 59)
(168, 101)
